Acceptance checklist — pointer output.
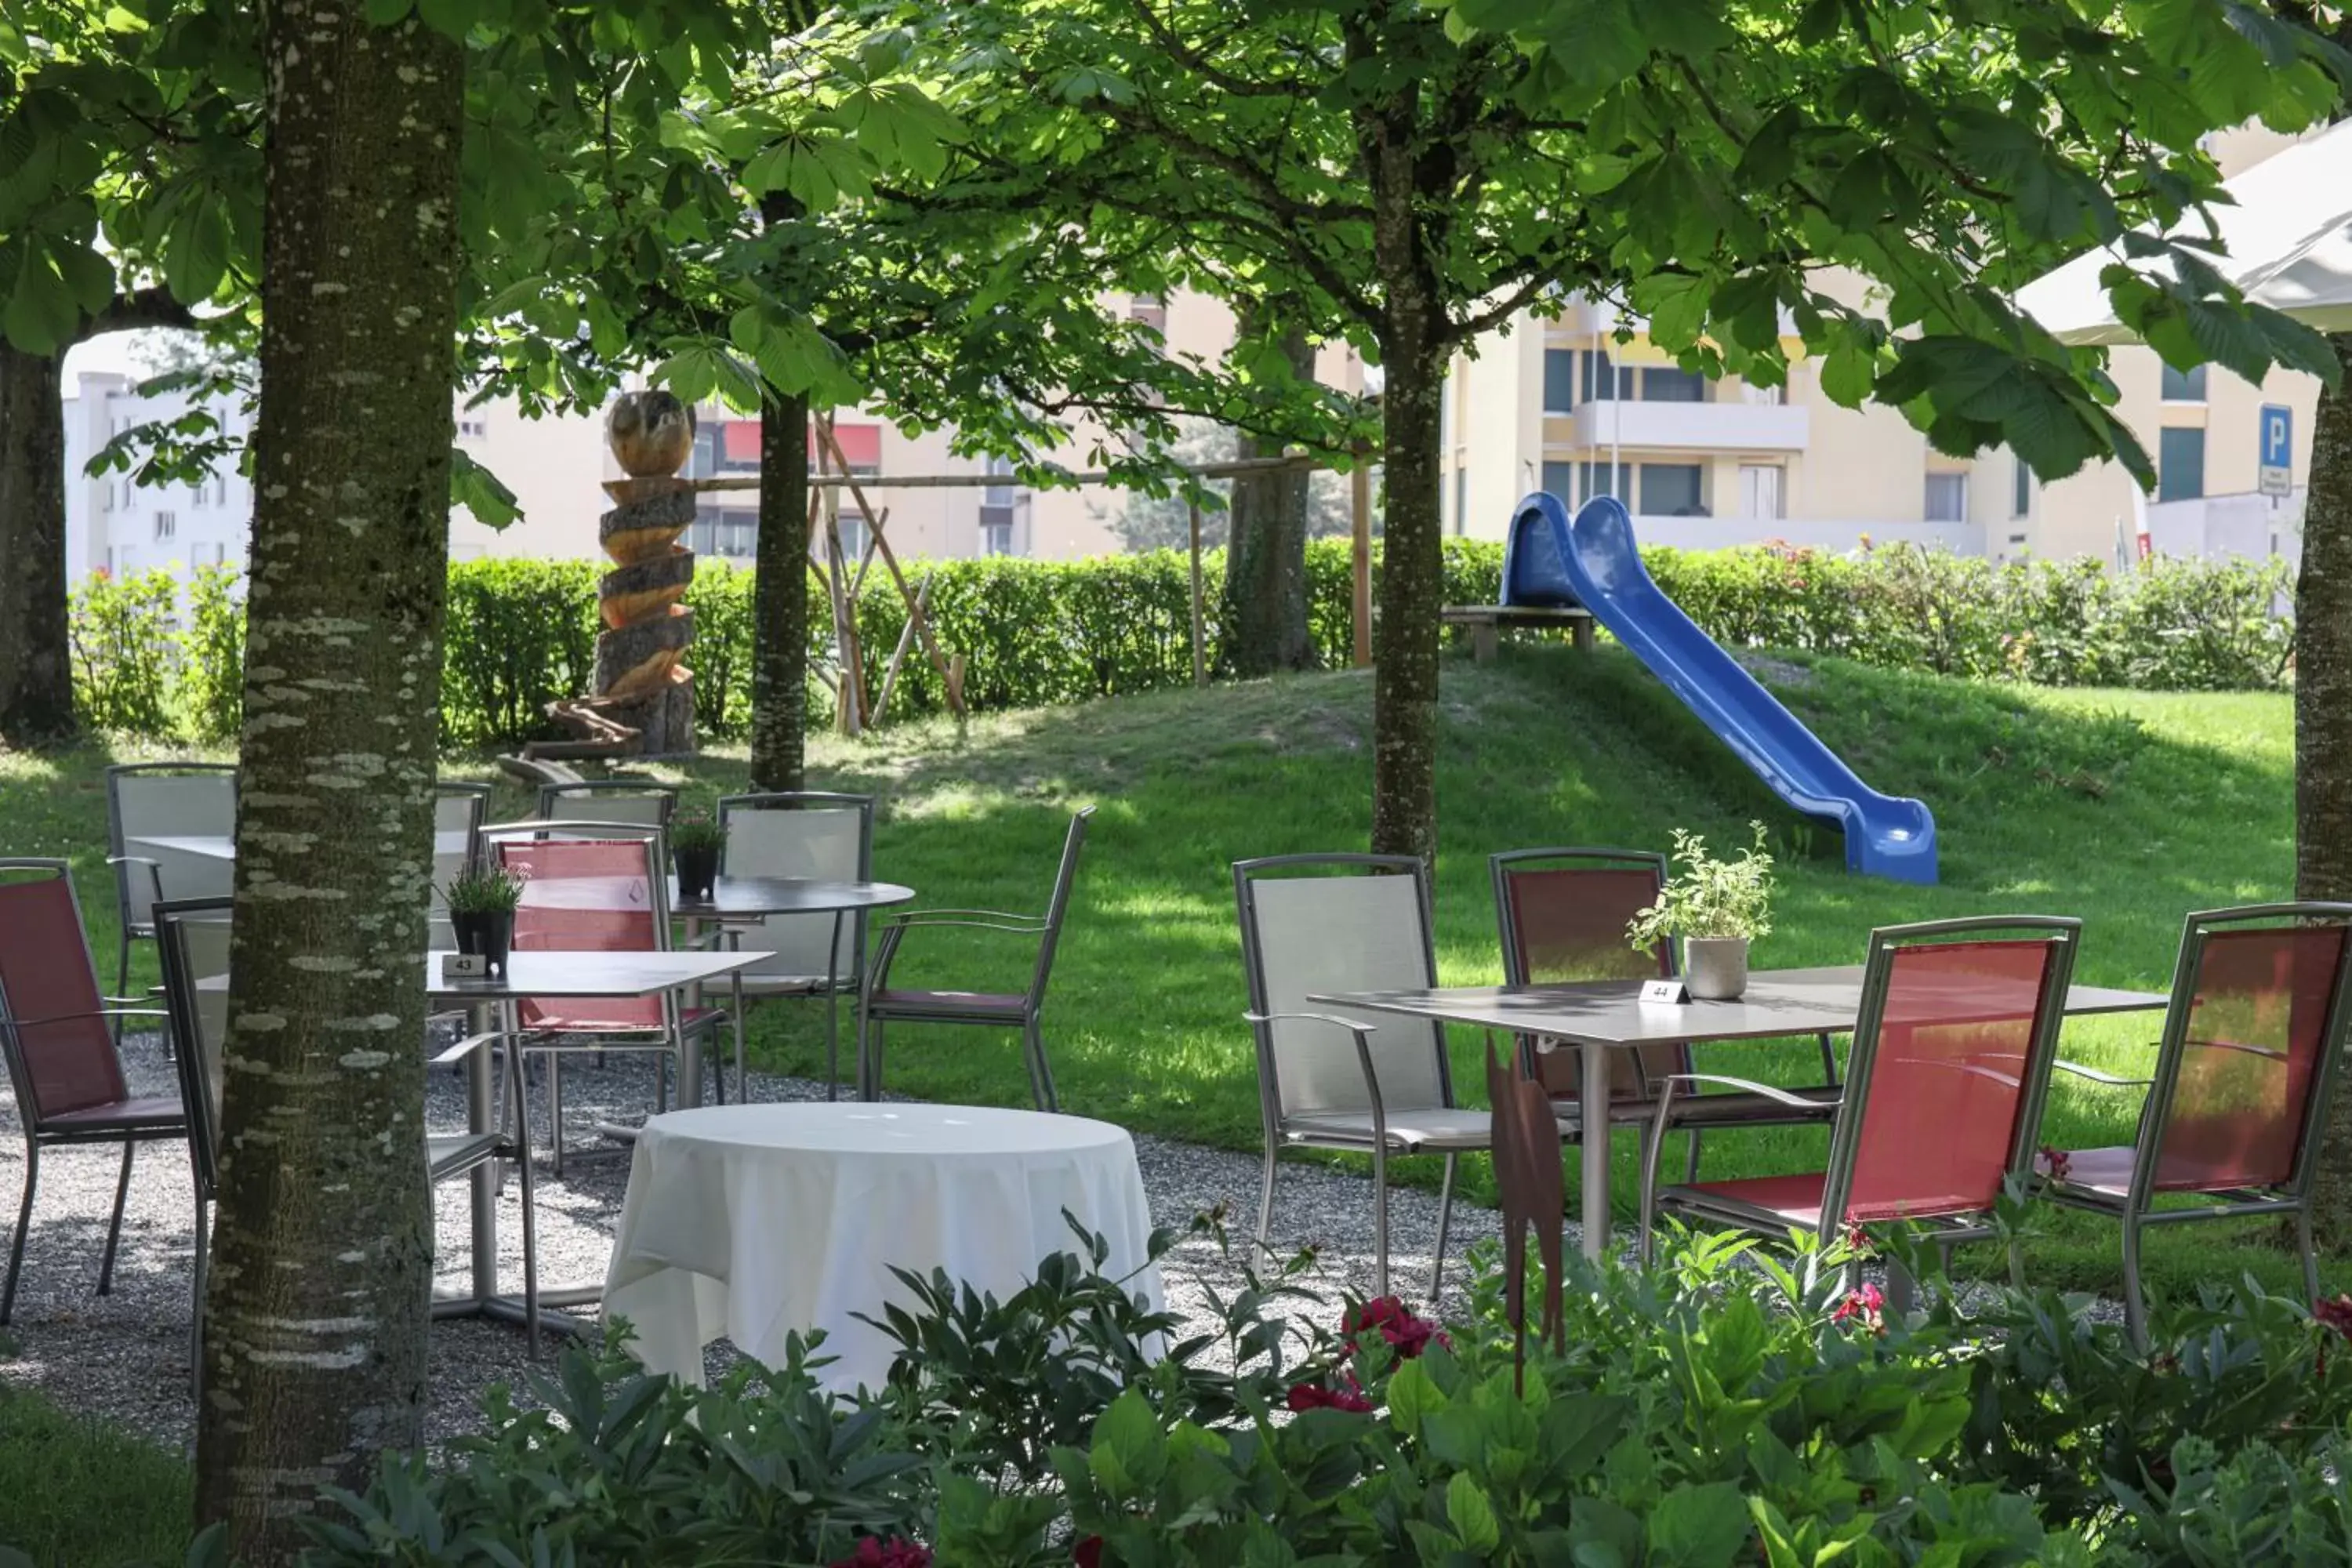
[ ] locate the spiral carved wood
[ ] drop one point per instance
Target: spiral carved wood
(641, 677)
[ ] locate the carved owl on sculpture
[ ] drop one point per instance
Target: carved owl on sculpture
(651, 432)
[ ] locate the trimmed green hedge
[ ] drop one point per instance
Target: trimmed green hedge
(522, 634)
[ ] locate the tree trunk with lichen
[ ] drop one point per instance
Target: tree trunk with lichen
(780, 662)
(1263, 612)
(321, 1275)
(2322, 730)
(36, 670)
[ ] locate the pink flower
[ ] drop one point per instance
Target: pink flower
(1313, 1396)
(894, 1553)
(2055, 1162)
(1088, 1552)
(1405, 1333)
(1866, 1306)
(1856, 1238)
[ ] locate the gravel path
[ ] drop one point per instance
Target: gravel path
(123, 1356)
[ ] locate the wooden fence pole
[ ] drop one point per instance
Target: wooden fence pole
(1199, 637)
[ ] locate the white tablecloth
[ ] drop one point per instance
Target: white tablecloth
(753, 1221)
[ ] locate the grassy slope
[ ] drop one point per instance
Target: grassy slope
(74, 1494)
(2125, 808)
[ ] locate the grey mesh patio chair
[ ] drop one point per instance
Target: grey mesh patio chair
(62, 1062)
(639, 802)
(597, 887)
(1952, 1052)
(164, 800)
(1562, 914)
(886, 1003)
(192, 940)
(812, 836)
(1329, 1077)
(2238, 1099)
(457, 812)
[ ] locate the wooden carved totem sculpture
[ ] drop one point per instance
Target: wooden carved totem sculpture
(642, 683)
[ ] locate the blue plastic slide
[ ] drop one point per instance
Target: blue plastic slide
(1550, 562)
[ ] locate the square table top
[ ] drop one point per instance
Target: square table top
(549, 973)
(221, 846)
(1777, 1002)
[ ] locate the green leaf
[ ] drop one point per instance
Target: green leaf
(1413, 1394)
(1700, 1526)
(480, 492)
(1470, 1514)
(39, 316)
(1847, 374)
(1130, 1450)
(195, 249)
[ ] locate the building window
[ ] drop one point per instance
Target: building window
(996, 530)
(2184, 385)
(1559, 381)
(1763, 397)
(854, 535)
(1461, 499)
(1150, 311)
(1661, 384)
(167, 525)
(1759, 491)
(2180, 463)
(998, 495)
(473, 427)
(1594, 480)
(2021, 501)
(1560, 480)
(198, 497)
(1598, 381)
(1671, 489)
(1947, 497)
(220, 491)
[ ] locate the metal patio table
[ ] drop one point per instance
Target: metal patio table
(756, 897)
(1610, 1016)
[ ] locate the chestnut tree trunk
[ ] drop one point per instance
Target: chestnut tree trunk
(2322, 730)
(37, 705)
(321, 1284)
(1264, 598)
(780, 639)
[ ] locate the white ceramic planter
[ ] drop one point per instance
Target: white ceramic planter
(1715, 967)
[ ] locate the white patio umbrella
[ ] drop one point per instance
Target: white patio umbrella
(2289, 238)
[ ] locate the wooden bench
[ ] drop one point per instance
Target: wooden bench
(1486, 624)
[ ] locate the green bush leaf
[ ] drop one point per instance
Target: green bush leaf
(1470, 1514)
(1700, 1526)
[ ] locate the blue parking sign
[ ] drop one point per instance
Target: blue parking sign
(2278, 436)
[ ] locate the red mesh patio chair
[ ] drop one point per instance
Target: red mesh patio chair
(62, 1062)
(2239, 1095)
(1951, 1059)
(886, 1003)
(595, 887)
(1563, 914)
(1318, 924)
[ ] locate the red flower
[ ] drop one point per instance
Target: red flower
(896, 1552)
(1313, 1397)
(2335, 1314)
(2055, 1162)
(1405, 1333)
(1856, 1238)
(1866, 1306)
(1088, 1553)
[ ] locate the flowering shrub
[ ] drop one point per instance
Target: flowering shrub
(1712, 1411)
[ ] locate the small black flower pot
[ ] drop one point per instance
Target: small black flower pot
(489, 934)
(697, 870)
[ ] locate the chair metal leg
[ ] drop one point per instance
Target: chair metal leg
(1265, 1195)
(2310, 1257)
(529, 1232)
(114, 1226)
(1379, 1220)
(832, 1042)
(2135, 1302)
(1828, 1060)
(1043, 1070)
(24, 1225)
(1690, 1166)
(197, 1309)
(871, 1049)
(555, 1112)
(1445, 1217)
(121, 988)
(742, 1093)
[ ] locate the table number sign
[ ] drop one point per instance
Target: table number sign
(464, 966)
(1670, 991)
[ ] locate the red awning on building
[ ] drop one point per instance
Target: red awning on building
(739, 442)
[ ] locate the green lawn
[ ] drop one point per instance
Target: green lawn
(75, 1494)
(2125, 808)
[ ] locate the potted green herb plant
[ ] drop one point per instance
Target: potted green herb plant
(482, 902)
(1716, 907)
(695, 842)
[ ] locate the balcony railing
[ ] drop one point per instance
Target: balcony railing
(1692, 426)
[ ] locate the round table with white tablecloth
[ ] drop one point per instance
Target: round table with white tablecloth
(754, 1221)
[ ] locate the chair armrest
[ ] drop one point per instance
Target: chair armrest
(963, 917)
(1363, 1033)
(93, 1013)
(132, 860)
(894, 929)
(2096, 1076)
(1747, 1086)
(154, 872)
(468, 1047)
